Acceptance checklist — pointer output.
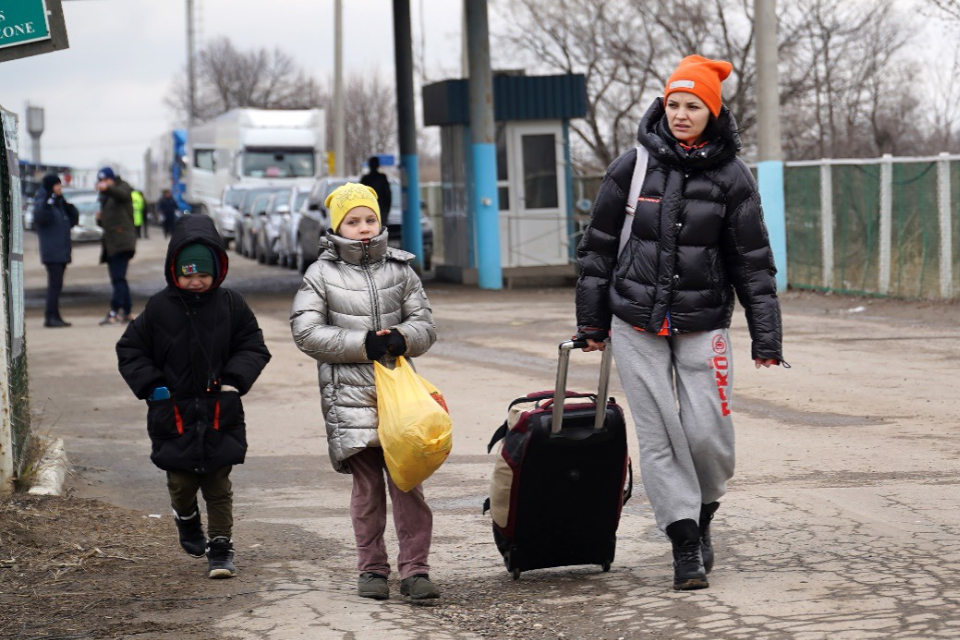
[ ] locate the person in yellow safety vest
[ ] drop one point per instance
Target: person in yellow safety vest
(139, 204)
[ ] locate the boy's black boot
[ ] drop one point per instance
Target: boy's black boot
(707, 512)
(419, 587)
(688, 573)
(190, 530)
(373, 585)
(220, 558)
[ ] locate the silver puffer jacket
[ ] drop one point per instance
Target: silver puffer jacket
(351, 289)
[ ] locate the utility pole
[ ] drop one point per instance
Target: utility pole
(770, 153)
(483, 148)
(411, 232)
(191, 71)
(339, 134)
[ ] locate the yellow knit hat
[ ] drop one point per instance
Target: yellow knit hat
(349, 196)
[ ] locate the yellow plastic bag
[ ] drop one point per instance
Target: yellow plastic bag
(415, 429)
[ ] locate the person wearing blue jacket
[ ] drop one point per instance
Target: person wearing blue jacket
(54, 217)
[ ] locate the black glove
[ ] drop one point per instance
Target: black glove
(375, 345)
(396, 345)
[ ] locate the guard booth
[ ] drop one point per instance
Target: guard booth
(534, 175)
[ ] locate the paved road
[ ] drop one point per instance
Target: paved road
(842, 521)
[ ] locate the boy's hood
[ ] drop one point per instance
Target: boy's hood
(189, 229)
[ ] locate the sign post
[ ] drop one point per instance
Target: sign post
(30, 28)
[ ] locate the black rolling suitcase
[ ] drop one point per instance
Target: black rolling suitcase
(561, 477)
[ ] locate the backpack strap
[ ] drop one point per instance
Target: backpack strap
(636, 185)
(498, 435)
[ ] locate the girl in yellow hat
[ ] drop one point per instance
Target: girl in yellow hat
(360, 302)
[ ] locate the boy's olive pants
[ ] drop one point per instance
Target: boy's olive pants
(217, 493)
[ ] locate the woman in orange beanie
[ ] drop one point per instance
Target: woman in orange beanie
(676, 230)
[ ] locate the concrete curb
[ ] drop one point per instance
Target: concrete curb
(51, 471)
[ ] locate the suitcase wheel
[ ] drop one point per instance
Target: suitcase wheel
(515, 574)
(605, 566)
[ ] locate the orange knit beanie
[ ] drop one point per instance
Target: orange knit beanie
(701, 77)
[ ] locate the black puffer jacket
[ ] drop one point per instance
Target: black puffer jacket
(193, 344)
(698, 235)
(54, 217)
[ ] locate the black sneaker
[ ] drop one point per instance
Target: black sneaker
(373, 585)
(688, 572)
(707, 512)
(419, 587)
(190, 530)
(220, 558)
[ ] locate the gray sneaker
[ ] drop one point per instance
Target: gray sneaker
(373, 585)
(419, 587)
(220, 558)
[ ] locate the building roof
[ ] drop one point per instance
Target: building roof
(515, 97)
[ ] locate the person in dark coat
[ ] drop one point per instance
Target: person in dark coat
(192, 353)
(53, 217)
(119, 241)
(379, 183)
(168, 212)
(658, 275)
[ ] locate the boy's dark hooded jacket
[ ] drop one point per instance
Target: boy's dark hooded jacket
(194, 343)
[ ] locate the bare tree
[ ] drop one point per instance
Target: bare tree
(371, 119)
(228, 78)
(947, 8)
(860, 95)
(609, 41)
(627, 49)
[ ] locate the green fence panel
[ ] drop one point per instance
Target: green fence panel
(804, 245)
(856, 231)
(915, 232)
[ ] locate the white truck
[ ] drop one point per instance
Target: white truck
(254, 146)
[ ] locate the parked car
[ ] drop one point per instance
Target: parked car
(225, 214)
(395, 228)
(288, 223)
(87, 204)
(315, 219)
(314, 222)
(248, 229)
(243, 216)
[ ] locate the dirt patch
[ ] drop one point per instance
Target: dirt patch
(72, 568)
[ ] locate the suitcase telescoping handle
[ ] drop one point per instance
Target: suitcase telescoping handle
(560, 389)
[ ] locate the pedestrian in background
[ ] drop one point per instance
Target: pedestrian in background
(139, 219)
(379, 183)
(361, 302)
(192, 353)
(119, 241)
(658, 274)
(53, 218)
(168, 212)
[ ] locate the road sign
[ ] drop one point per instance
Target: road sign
(31, 27)
(23, 21)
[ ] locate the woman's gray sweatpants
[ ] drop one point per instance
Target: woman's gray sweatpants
(679, 391)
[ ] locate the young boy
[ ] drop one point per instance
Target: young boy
(191, 354)
(361, 302)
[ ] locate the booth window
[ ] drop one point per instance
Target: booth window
(540, 171)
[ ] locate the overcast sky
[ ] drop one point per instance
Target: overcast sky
(104, 97)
